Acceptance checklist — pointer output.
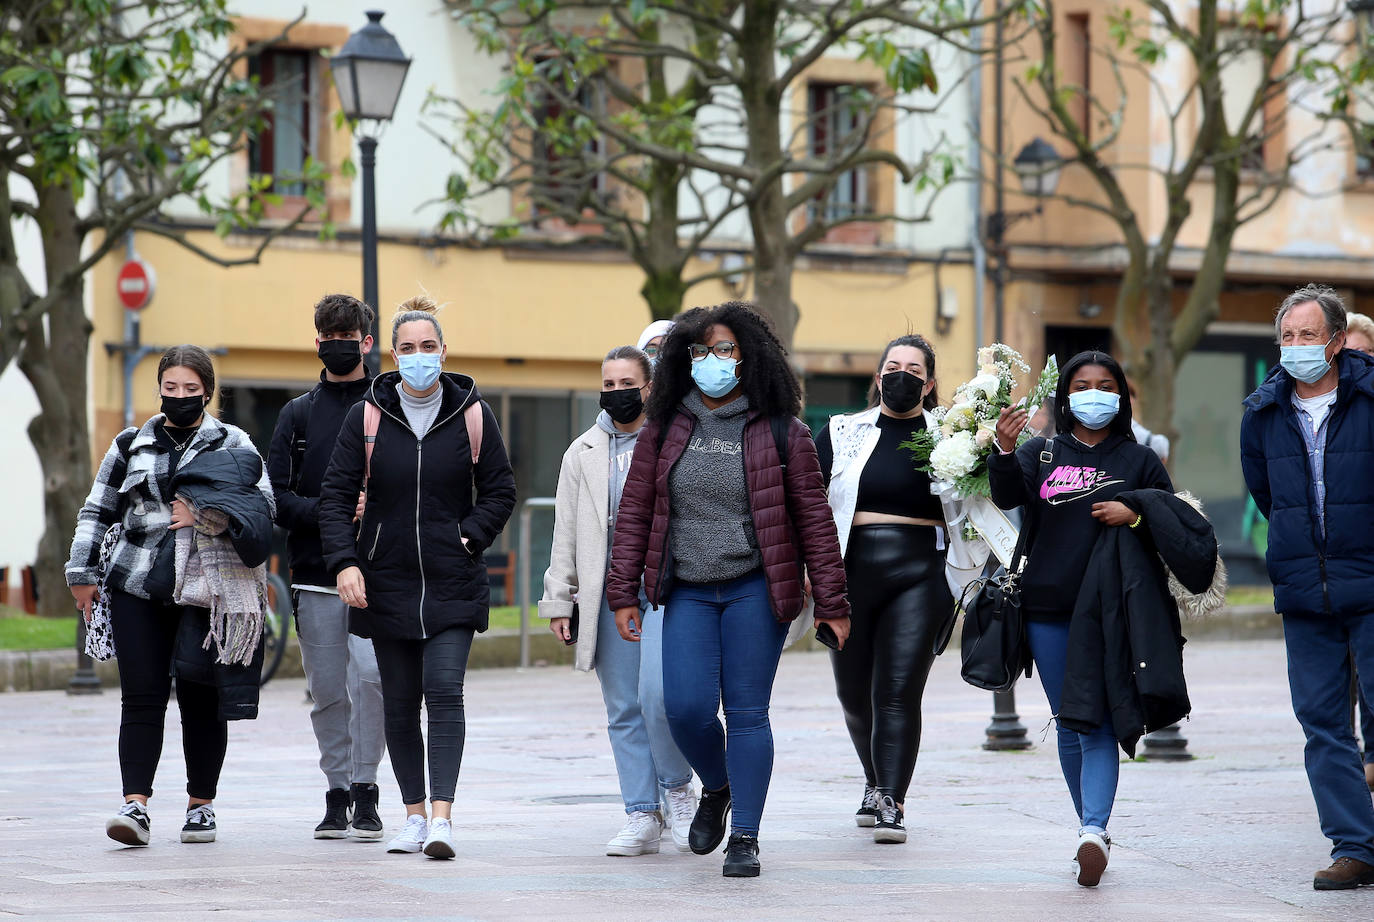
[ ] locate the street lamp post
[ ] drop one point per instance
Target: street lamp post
(1037, 165)
(368, 72)
(1363, 11)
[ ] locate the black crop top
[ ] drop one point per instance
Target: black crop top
(890, 483)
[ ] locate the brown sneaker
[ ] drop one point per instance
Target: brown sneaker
(1344, 874)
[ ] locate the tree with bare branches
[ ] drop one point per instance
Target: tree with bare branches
(108, 109)
(1233, 152)
(654, 96)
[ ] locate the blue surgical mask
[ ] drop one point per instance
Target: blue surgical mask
(1307, 364)
(1094, 409)
(420, 369)
(715, 375)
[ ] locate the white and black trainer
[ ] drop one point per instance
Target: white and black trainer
(131, 825)
(867, 814)
(200, 824)
(889, 829)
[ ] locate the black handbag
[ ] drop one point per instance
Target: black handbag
(993, 647)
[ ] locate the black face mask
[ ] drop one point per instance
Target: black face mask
(902, 392)
(623, 406)
(182, 412)
(340, 356)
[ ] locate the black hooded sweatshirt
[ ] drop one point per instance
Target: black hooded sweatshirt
(301, 447)
(1059, 498)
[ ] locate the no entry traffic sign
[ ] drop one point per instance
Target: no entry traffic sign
(136, 283)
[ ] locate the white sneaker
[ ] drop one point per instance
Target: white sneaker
(439, 842)
(412, 836)
(682, 807)
(1091, 858)
(639, 837)
(130, 826)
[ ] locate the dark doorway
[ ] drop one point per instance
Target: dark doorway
(1065, 342)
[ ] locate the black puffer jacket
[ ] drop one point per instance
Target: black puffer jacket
(419, 577)
(226, 480)
(1125, 639)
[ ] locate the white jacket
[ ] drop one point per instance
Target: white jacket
(577, 562)
(852, 439)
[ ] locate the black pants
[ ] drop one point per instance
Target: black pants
(899, 601)
(144, 635)
(431, 669)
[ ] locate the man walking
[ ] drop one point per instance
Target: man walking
(340, 669)
(1307, 450)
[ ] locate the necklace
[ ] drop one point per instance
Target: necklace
(179, 446)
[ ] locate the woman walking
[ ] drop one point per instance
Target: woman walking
(135, 513)
(590, 485)
(892, 533)
(1066, 485)
(426, 452)
(722, 511)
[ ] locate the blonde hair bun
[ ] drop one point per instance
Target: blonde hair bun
(423, 303)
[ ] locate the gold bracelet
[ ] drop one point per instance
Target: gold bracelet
(1138, 518)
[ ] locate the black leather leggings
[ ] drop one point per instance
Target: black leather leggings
(899, 601)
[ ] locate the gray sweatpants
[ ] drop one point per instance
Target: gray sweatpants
(341, 673)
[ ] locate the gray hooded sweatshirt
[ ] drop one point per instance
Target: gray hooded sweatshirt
(622, 451)
(711, 533)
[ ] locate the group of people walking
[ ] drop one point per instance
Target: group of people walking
(696, 520)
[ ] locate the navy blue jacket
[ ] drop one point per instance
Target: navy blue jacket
(1312, 574)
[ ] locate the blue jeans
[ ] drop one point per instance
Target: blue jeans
(1319, 651)
(726, 645)
(1089, 760)
(631, 676)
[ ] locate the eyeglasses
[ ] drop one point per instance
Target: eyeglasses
(722, 350)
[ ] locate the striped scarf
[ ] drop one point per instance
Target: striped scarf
(211, 575)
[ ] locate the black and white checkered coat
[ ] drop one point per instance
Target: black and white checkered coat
(128, 490)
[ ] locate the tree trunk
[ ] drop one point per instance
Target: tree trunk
(768, 207)
(660, 255)
(54, 361)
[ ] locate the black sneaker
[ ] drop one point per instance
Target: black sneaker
(708, 826)
(867, 814)
(889, 827)
(741, 856)
(367, 824)
(131, 825)
(200, 824)
(335, 822)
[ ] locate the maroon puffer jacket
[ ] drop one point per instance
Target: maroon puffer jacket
(786, 541)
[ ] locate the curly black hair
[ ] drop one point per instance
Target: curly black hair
(766, 376)
(916, 340)
(1063, 416)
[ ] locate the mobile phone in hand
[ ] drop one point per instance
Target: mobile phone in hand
(826, 635)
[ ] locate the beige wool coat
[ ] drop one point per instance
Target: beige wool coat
(577, 562)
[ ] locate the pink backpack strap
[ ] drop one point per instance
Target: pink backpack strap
(472, 418)
(372, 421)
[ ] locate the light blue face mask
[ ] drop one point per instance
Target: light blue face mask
(715, 375)
(1094, 409)
(1307, 364)
(420, 369)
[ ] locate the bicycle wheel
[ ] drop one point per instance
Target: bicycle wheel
(277, 627)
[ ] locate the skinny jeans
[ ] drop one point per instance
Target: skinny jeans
(431, 670)
(899, 602)
(1089, 761)
(145, 636)
(725, 644)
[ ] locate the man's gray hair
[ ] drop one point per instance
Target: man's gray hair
(1333, 308)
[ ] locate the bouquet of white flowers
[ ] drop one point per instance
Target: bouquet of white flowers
(956, 451)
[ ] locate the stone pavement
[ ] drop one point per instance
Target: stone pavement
(1231, 835)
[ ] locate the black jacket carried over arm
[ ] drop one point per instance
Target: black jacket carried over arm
(229, 481)
(302, 445)
(1125, 639)
(423, 498)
